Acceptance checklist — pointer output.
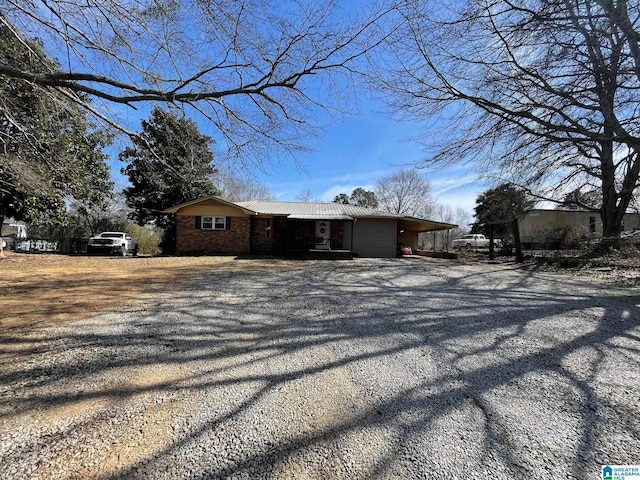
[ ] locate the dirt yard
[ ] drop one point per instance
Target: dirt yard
(209, 368)
(43, 290)
(38, 291)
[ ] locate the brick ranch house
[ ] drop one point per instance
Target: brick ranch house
(213, 226)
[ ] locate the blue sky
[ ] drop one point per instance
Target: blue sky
(357, 152)
(353, 152)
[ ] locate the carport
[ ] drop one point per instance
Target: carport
(410, 227)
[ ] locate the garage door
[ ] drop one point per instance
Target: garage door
(374, 237)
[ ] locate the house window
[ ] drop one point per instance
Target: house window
(267, 228)
(214, 223)
(592, 224)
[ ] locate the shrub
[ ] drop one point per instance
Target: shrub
(566, 237)
(576, 262)
(148, 238)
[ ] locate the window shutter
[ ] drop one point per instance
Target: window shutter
(198, 222)
(228, 223)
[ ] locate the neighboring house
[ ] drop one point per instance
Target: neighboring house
(538, 224)
(214, 226)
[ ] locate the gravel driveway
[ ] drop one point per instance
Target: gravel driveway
(407, 368)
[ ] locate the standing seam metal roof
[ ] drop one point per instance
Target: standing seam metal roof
(313, 209)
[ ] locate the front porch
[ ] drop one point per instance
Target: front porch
(318, 238)
(301, 238)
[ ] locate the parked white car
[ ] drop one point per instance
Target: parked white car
(474, 240)
(112, 243)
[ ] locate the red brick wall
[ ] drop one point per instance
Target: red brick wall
(192, 241)
(279, 235)
(261, 244)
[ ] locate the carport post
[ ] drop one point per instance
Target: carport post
(516, 240)
(491, 253)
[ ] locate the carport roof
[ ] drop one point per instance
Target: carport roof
(422, 225)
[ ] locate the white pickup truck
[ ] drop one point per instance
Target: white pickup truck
(112, 242)
(474, 240)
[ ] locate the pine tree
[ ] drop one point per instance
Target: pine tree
(169, 163)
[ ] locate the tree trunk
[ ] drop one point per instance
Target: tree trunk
(1, 222)
(516, 240)
(609, 211)
(615, 204)
(491, 252)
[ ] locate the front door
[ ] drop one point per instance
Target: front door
(323, 235)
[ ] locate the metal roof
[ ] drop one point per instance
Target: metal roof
(318, 216)
(309, 209)
(321, 211)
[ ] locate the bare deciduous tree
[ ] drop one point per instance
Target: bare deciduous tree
(254, 69)
(305, 196)
(455, 215)
(239, 189)
(544, 93)
(445, 213)
(405, 192)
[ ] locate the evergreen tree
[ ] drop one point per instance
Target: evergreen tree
(169, 163)
(342, 198)
(363, 198)
(503, 203)
(50, 153)
(359, 197)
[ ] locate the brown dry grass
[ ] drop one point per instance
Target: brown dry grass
(41, 290)
(38, 291)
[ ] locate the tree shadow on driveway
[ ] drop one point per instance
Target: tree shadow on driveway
(369, 369)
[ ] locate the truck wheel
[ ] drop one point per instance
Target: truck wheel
(468, 246)
(135, 251)
(123, 250)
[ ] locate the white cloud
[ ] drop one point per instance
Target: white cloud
(326, 188)
(445, 184)
(456, 187)
(359, 179)
(465, 199)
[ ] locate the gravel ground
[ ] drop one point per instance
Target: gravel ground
(403, 368)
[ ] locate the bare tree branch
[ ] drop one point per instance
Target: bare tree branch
(544, 92)
(255, 66)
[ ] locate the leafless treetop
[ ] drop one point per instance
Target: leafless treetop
(255, 69)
